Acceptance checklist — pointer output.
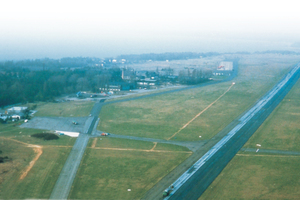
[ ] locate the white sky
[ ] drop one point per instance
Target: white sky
(55, 29)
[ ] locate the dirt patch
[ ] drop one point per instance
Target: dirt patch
(155, 143)
(94, 143)
(37, 149)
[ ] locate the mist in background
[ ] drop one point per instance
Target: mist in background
(55, 29)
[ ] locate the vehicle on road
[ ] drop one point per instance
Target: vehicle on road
(104, 134)
(75, 123)
(168, 191)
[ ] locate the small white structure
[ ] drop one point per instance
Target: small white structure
(16, 117)
(71, 134)
(16, 109)
(227, 66)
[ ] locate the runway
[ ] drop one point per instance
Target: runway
(192, 183)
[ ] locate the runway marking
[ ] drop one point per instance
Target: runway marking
(201, 112)
(94, 143)
(143, 150)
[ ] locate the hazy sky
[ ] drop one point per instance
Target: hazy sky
(37, 29)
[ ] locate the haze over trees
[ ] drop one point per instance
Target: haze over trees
(42, 80)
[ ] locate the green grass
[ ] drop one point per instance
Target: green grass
(162, 116)
(108, 174)
(64, 109)
(41, 179)
(263, 176)
(282, 128)
(107, 142)
(39, 182)
(257, 177)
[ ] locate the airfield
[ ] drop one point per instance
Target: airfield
(145, 141)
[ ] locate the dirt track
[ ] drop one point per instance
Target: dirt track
(39, 151)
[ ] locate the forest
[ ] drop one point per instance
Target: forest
(43, 81)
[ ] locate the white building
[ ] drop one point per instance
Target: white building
(224, 65)
(16, 109)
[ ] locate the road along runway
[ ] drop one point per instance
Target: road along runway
(192, 183)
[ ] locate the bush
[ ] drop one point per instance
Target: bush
(46, 136)
(2, 159)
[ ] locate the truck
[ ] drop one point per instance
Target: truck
(104, 134)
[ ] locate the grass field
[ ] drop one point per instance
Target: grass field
(109, 173)
(256, 176)
(162, 116)
(281, 129)
(17, 144)
(262, 176)
(40, 180)
(64, 109)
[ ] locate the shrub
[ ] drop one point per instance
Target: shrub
(46, 136)
(2, 159)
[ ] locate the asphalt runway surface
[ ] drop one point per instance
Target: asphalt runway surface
(198, 183)
(56, 123)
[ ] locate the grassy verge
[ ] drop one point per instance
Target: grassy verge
(108, 174)
(64, 109)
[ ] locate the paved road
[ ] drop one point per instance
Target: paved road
(67, 175)
(197, 184)
(193, 146)
(56, 123)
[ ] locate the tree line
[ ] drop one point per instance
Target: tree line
(19, 85)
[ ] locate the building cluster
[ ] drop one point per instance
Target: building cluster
(14, 113)
(225, 68)
(132, 79)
